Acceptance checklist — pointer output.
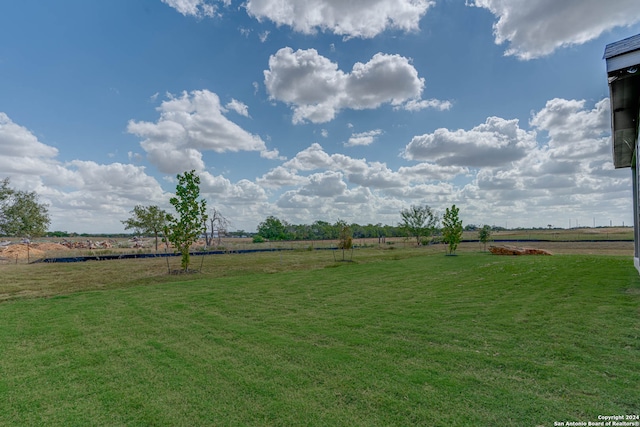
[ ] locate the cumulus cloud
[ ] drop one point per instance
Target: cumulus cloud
(567, 174)
(558, 167)
(325, 184)
(431, 172)
(534, 29)
(356, 18)
(18, 141)
(313, 157)
(317, 89)
(188, 125)
(359, 172)
(24, 159)
(574, 131)
(238, 106)
(124, 180)
(281, 177)
(493, 143)
(363, 138)
(82, 195)
(196, 8)
(223, 190)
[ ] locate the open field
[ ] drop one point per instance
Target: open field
(52, 247)
(44, 280)
(398, 337)
(579, 234)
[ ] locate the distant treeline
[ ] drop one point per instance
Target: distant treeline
(319, 230)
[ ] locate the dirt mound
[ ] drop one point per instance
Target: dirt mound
(513, 250)
(21, 251)
(50, 246)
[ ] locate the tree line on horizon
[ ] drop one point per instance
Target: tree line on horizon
(21, 215)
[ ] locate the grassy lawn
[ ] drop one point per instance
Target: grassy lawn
(397, 338)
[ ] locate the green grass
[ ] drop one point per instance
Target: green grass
(396, 338)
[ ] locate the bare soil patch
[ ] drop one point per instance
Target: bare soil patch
(21, 251)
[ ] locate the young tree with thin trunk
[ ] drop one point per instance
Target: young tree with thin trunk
(452, 228)
(146, 220)
(184, 230)
(345, 236)
(419, 221)
(484, 235)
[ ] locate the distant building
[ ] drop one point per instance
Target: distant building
(623, 72)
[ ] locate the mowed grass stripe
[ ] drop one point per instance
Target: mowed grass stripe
(426, 340)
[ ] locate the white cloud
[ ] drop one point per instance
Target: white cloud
(134, 157)
(376, 175)
(537, 28)
(272, 155)
(222, 190)
(317, 90)
(560, 167)
(281, 177)
(493, 143)
(18, 141)
(238, 106)
(417, 105)
(430, 172)
(310, 158)
(574, 131)
(569, 174)
(82, 195)
(24, 159)
(196, 8)
(355, 18)
(264, 36)
(325, 184)
(385, 78)
(188, 125)
(124, 181)
(358, 172)
(363, 138)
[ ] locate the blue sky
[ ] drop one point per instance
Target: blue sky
(314, 109)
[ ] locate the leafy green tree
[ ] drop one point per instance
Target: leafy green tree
(146, 220)
(323, 230)
(185, 229)
(273, 229)
(419, 221)
(21, 215)
(484, 235)
(452, 228)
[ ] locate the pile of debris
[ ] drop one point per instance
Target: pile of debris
(20, 251)
(137, 242)
(89, 244)
(513, 250)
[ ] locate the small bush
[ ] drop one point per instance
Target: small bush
(258, 239)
